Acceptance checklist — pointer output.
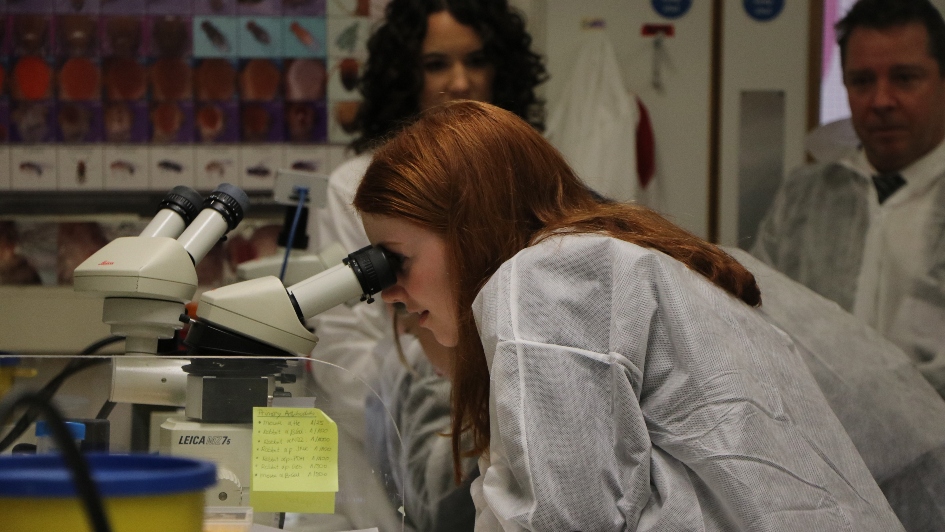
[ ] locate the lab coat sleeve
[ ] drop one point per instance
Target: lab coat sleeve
(347, 335)
(428, 455)
(900, 432)
(566, 479)
(779, 241)
(338, 221)
(407, 420)
(772, 230)
(560, 416)
(628, 393)
(407, 436)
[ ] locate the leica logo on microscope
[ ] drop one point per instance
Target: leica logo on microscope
(204, 440)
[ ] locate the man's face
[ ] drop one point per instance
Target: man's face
(896, 94)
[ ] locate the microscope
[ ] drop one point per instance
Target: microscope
(146, 280)
(238, 343)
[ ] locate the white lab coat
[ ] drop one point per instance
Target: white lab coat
(594, 122)
(346, 337)
(409, 420)
(629, 393)
(346, 334)
(884, 263)
(411, 409)
(894, 417)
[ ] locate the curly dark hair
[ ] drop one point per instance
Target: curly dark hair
(393, 77)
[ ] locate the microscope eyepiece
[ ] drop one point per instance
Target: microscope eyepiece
(230, 201)
(177, 210)
(185, 201)
(363, 273)
(222, 211)
(374, 268)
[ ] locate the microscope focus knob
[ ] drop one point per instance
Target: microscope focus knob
(228, 490)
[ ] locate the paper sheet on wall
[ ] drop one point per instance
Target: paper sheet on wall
(294, 460)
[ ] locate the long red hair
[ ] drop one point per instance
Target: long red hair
(490, 185)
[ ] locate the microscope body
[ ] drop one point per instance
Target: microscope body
(240, 342)
(146, 281)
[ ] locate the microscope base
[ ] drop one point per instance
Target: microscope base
(228, 445)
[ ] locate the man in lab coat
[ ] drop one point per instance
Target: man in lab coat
(868, 231)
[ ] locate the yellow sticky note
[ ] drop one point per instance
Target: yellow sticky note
(294, 449)
(293, 501)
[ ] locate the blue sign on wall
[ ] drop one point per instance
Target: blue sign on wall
(763, 10)
(672, 8)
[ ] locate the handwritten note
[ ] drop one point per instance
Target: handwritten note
(294, 450)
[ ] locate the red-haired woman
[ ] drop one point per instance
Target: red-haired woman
(611, 368)
(424, 52)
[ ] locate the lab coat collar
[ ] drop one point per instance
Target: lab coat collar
(919, 175)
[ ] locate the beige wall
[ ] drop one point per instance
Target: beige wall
(679, 112)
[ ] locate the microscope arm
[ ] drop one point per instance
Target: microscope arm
(261, 317)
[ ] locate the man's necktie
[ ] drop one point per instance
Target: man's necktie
(886, 184)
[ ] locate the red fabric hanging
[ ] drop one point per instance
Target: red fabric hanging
(646, 150)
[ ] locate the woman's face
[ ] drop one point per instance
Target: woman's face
(454, 63)
(423, 280)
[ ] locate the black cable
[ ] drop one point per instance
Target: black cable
(85, 488)
(74, 366)
(105, 410)
(104, 342)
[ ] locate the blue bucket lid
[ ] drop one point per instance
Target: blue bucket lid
(48, 476)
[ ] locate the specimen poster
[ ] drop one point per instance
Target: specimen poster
(148, 94)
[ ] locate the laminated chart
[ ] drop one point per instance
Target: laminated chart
(129, 95)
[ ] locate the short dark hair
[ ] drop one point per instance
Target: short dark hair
(393, 76)
(882, 14)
